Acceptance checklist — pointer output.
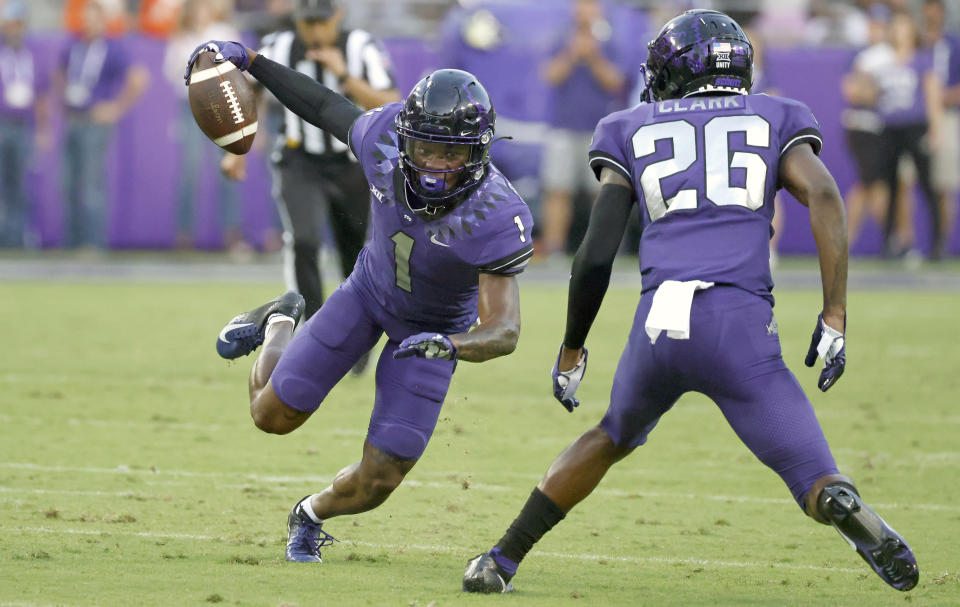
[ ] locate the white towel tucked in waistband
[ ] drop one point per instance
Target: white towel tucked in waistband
(670, 310)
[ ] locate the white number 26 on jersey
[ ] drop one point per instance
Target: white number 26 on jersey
(717, 162)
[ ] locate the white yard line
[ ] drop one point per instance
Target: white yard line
(622, 559)
(457, 396)
(448, 484)
(158, 424)
(45, 381)
(66, 492)
(463, 551)
(126, 470)
(178, 536)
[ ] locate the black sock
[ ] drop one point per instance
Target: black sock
(538, 516)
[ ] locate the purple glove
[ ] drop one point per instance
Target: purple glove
(234, 52)
(565, 383)
(427, 345)
(830, 345)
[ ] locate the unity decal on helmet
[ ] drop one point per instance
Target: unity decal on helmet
(698, 52)
(721, 51)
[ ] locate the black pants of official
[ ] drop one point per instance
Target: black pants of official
(896, 142)
(313, 193)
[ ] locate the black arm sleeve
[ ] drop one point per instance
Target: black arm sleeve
(591, 266)
(306, 97)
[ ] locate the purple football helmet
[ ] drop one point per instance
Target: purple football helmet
(451, 108)
(700, 51)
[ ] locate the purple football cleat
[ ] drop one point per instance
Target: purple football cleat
(870, 536)
(305, 537)
(485, 575)
(245, 332)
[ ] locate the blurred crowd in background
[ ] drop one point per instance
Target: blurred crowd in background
(98, 148)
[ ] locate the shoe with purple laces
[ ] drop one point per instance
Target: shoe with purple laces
(882, 547)
(245, 332)
(305, 537)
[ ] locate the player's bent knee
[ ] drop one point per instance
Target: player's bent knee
(605, 444)
(398, 441)
(274, 417)
(268, 422)
(381, 473)
(375, 488)
(270, 425)
(384, 485)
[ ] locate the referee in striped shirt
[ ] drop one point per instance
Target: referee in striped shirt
(316, 175)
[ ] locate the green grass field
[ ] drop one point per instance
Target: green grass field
(130, 473)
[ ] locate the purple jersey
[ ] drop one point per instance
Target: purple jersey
(705, 173)
(22, 80)
(425, 273)
(95, 71)
(946, 62)
(902, 99)
(579, 102)
(953, 61)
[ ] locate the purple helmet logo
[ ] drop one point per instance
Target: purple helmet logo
(700, 51)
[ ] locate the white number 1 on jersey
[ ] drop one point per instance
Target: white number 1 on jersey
(516, 220)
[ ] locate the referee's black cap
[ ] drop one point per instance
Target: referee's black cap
(315, 9)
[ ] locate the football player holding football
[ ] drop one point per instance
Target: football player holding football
(703, 160)
(449, 234)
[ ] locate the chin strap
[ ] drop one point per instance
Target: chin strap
(431, 210)
(424, 208)
(646, 96)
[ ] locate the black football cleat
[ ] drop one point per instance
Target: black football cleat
(484, 575)
(305, 537)
(879, 545)
(245, 332)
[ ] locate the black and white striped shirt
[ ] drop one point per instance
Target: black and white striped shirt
(366, 60)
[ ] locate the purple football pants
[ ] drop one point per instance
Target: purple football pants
(409, 391)
(733, 357)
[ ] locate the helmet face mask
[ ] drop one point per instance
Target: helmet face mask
(698, 52)
(439, 168)
(444, 132)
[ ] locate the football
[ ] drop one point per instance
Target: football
(223, 103)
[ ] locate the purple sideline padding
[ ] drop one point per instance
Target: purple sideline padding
(143, 159)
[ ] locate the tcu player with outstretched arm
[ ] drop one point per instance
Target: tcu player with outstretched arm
(449, 234)
(703, 159)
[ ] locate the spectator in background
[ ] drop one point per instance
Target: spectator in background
(821, 25)
(114, 16)
(863, 125)
(909, 102)
(160, 18)
(201, 20)
(946, 159)
(586, 85)
(853, 22)
(763, 83)
(260, 17)
(24, 119)
(98, 86)
(316, 174)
